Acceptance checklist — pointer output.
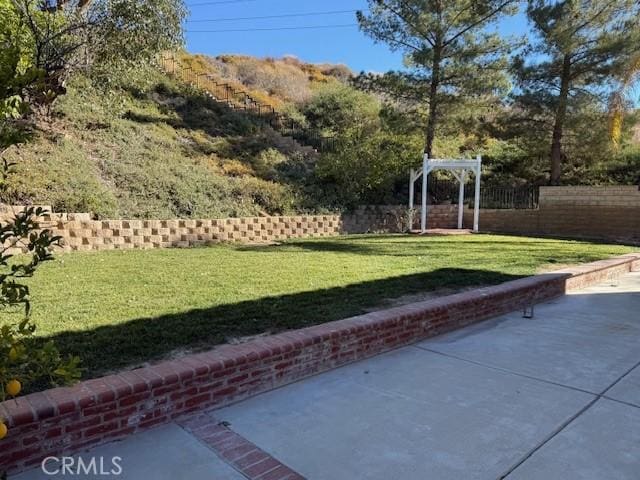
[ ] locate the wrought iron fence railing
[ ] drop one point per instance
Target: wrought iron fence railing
(522, 197)
(240, 100)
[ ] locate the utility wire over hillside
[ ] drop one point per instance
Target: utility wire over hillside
(270, 17)
(219, 2)
(305, 27)
(284, 15)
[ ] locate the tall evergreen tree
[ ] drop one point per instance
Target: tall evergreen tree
(446, 42)
(582, 46)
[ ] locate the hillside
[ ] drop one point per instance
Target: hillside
(280, 82)
(151, 146)
(154, 147)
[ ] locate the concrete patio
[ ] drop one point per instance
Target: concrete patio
(555, 396)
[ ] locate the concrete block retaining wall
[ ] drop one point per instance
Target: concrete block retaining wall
(608, 213)
(67, 420)
(81, 233)
(609, 196)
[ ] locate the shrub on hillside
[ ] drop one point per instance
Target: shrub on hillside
(279, 79)
(336, 108)
(623, 168)
(371, 156)
(341, 72)
(286, 79)
(267, 198)
(266, 163)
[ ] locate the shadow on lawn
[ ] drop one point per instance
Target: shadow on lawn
(107, 348)
(402, 246)
(350, 247)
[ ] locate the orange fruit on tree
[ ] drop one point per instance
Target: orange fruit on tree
(13, 388)
(13, 354)
(3, 430)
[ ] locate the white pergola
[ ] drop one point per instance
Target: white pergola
(459, 168)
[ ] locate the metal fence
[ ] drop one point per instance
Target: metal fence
(522, 197)
(525, 197)
(240, 100)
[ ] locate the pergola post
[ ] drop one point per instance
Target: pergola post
(461, 180)
(413, 176)
(459, 168)
(423, 212)
(476, 203)
(412, 188)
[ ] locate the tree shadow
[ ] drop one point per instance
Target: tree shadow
(315, 246)
(548, 238)
(391, 245)
(108, 348)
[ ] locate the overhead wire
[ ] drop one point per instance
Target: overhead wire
(219, 2)
(262, 17)
(270, 29)
(284, 15)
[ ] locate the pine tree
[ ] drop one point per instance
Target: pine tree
(582, 46)
(452, 55)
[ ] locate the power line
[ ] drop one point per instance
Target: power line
(219, 2)
(309, 27)
(284, 15)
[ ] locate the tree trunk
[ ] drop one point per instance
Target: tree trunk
(433, 101)
(558, 127)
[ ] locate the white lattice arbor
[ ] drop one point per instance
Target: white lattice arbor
(459, 168)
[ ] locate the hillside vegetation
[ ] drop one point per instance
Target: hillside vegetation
(153, 147)
(274, 81)
(148, 145)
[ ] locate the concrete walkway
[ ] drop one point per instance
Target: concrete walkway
(556, 396)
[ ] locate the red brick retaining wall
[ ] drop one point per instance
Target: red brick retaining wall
(67, 420)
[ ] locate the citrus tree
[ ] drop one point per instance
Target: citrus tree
(24, 363)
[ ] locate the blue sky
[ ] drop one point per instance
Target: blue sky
(333, 45)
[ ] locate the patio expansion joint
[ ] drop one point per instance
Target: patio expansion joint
(518, 374)
(538, 379)
(570, 421)
(604, 393)
(623, 402)
(548, 438)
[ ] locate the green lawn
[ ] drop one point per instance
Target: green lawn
(122, 308)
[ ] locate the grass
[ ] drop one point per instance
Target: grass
(122, 308)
